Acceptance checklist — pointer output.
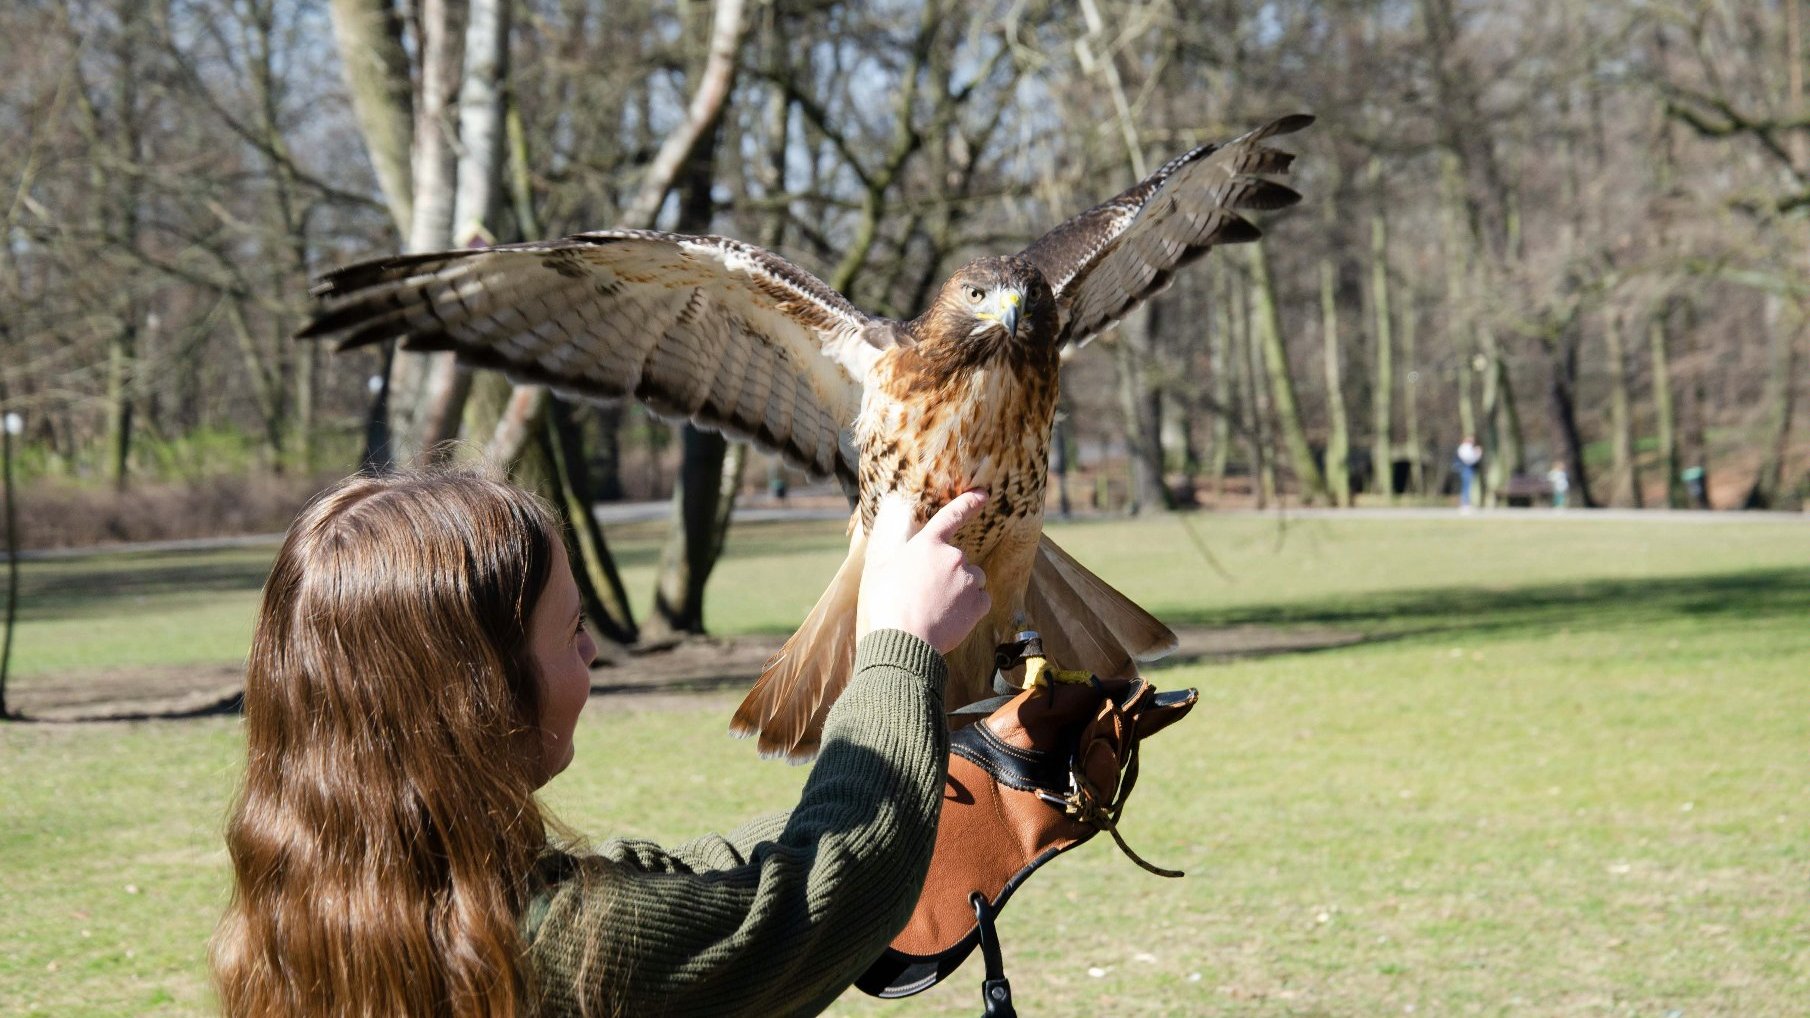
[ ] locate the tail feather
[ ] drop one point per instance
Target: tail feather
(1085, 623)
(785, 709)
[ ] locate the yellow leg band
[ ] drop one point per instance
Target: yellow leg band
(1039, 673)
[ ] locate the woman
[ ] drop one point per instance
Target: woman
(417, 671)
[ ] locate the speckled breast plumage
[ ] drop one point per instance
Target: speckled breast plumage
(931, 436)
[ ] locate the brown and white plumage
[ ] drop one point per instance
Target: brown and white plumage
(738, 339)
(707, 328)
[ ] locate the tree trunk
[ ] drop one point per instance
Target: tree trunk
(122, 342)
(1268, 324)
(369, 37)
(1060, 456)
(717, 77)
(307, 371)
(1766, 492)
(1410, 329)
(605, 600)
(1696, 438)
(1140, 406)
(1263, 468)
(703, 504)
(1624, 485)
(693, 539)
(418, 381)
(477, 186)
(1665, 414)
(1458, 329)
(1222, 360)
(1503, 450)
(606, 453)
(121, 348)
(1338, 441)
(1561, 363)
(1382, 444)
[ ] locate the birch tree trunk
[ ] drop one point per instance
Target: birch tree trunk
(434, 177)
(477, 184)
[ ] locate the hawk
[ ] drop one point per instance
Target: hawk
(735, 338)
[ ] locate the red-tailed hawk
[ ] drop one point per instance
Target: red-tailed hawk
(738, 339)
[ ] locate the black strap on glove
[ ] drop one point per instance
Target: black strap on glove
(1049, 768)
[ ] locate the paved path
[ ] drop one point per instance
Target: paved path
(608, 514)
(1530, 515)
(619, 513)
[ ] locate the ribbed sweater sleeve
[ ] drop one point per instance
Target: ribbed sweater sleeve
(781, 916)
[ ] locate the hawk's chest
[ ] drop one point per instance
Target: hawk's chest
(930, 440)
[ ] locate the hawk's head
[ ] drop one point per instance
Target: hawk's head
(990, 308)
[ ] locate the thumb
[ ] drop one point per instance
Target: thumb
(892, 525)
(949, 518)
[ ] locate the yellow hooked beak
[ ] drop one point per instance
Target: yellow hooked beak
(1003, 308)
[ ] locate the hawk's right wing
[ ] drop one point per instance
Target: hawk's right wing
(726, 334)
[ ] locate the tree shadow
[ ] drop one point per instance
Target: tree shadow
(1746, 596)
(81, 590)
(190, 708)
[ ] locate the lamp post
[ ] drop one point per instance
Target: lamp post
(11, 426)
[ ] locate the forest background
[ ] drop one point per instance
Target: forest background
(1575, 230)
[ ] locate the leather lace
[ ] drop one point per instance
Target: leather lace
(1082, 803)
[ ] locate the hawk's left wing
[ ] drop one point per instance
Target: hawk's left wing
(1111, 258)
(726, 334)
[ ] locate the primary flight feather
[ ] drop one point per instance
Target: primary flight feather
(736, 338)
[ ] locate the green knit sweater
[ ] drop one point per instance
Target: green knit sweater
(781, 915)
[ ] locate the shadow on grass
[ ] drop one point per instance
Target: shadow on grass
(224, 705)
(1747, 598)
(65, 590)
(1744, 597)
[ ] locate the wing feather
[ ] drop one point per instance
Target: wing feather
(723, 333)
(1106, 261)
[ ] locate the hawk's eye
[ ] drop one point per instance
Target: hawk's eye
(976, 295)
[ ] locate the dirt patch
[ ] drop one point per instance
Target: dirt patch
(130, 694)
(664, 679)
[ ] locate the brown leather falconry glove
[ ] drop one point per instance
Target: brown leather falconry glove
(1045, 771)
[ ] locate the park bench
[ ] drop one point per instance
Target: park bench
(1526, 490)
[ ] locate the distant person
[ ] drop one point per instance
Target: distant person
(1560, 481)
(418, 667)
(778, 484)
(1469, 455)
(1693, 483)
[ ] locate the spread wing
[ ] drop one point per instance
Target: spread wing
(726, 334)
(1106, 261)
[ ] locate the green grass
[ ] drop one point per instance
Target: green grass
(1570, 775)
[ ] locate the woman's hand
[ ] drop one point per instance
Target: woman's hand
(915, 580)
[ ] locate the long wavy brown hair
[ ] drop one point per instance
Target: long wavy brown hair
(387, 826)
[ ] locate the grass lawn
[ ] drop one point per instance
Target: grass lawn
(1568, 774)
